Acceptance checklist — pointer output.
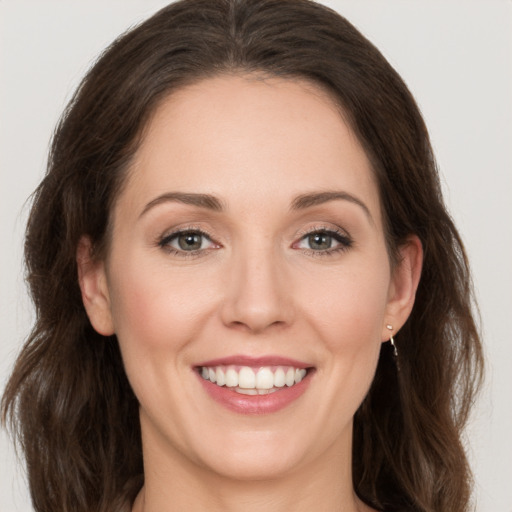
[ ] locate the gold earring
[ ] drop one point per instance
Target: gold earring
(392, 341)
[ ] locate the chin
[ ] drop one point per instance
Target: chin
(256, 465)
(253, 456)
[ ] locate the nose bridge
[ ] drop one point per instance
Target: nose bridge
(257, 294)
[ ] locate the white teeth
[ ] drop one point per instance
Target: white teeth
(299, 375)
(290, 377)
(246, 378)
(279, 378)
(231, 378)
(244, 391)
(220, 378)
(266, 379)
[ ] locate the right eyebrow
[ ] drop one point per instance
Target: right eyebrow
(202, 200)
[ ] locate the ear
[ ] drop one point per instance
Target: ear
(93, 284)
(404, 283)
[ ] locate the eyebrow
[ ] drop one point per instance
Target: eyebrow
(317, 198)
(201, 200)
(301, 202)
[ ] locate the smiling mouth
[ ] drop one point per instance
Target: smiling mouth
(253, 381)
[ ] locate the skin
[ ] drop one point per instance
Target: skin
(257, 288)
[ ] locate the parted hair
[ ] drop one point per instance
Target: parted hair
(68, 401)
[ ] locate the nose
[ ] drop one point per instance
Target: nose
(258, 293)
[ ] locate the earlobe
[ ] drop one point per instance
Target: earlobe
(93, 285)
(404, 283)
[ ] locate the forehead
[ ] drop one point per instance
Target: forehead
(235, 136)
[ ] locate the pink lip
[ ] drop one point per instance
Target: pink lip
(255, 404)
(255, 362)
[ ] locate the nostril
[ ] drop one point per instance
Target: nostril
(256, 325)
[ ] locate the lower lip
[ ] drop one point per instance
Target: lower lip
(256, 404)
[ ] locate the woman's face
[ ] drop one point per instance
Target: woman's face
(248, 249)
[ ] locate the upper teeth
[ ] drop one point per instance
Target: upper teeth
(245, 378)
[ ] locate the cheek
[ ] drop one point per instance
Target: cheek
(157, 314)
(348, 318)
(155, 308)
(349, 310)
(138, 311)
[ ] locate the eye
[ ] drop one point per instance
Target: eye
(324, 240)
(319, 241)
(190, 241)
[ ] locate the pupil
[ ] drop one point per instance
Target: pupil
(319, 241)
(190, 241)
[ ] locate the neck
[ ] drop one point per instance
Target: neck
(254, 498)
(252, 501)
(325, 484)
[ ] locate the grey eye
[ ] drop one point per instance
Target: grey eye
(190, 241)
(187, 241)
(324, 241)
(319, 241)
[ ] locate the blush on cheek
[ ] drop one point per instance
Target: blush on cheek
(350, 323)
(156, 312)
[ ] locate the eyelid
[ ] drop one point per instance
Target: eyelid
(325, 228)
(164, 240)
(340, 235)
(343, 238)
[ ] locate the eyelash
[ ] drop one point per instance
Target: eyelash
(344, 240)
(165, 240)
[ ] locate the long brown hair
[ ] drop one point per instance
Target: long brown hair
(68, 399)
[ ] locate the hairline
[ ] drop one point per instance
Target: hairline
(315, 86)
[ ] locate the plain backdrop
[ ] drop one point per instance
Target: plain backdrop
(456, 57)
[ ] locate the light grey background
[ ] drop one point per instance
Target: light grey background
(456, 56)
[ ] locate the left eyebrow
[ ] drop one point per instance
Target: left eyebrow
(316, 198)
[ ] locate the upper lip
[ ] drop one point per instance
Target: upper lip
(243, 360)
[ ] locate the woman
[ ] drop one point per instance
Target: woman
(241, 207)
